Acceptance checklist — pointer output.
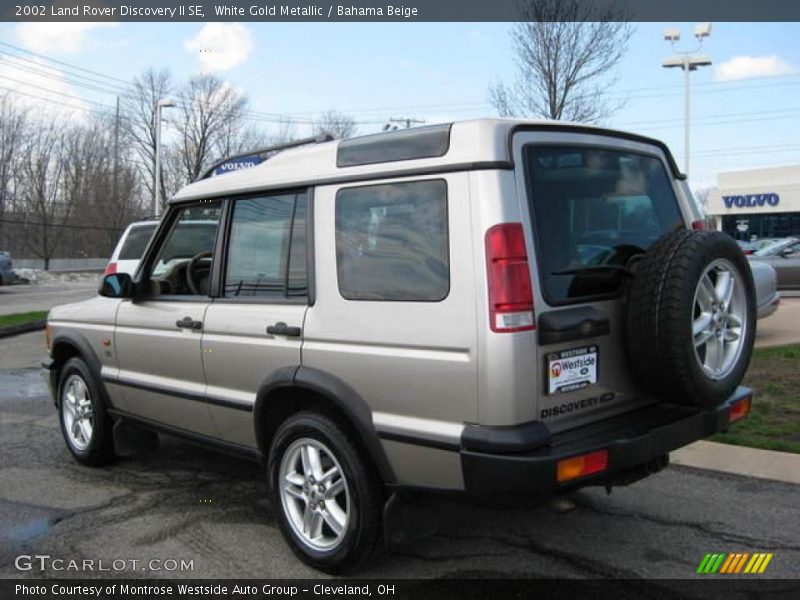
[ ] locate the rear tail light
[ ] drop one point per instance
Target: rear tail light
(699, 225)
(111, 268)
(740, 409)
(583, 465)
(508, 279)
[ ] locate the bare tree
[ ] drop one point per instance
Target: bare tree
(139, 124)
(702, 197)
(566, 53)
(42, 177)
(13, 127)
(210, 111)
(338, 125)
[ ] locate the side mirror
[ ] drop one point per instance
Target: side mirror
(117, 285)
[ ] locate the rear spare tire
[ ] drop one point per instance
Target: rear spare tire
(691, 318)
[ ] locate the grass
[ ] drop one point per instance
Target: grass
(20, 318)
(774, 422)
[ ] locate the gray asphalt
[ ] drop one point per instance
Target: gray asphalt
(25, 298)
(186, 503)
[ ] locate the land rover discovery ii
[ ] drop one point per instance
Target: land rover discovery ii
(496, 308)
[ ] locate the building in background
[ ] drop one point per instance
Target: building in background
(757, 203)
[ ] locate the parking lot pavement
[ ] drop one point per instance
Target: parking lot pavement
(183, 502)
(25, 298)
(781, 328)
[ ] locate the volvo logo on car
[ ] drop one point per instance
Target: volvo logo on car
(751, 200)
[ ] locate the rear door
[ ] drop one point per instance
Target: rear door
(593, 203)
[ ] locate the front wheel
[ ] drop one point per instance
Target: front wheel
(84, 422)
(327, 493)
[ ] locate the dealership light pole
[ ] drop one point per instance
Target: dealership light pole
(688, 61)
(163, 103)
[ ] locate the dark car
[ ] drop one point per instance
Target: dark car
(6, 272)
(784, 256)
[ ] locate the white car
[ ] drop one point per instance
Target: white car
(130, 247)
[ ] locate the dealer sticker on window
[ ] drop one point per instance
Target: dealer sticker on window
(571, 370)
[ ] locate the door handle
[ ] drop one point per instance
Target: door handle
(188, 323)
(281, 328)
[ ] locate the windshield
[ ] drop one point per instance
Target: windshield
(774, 247)
(136, 242)
(594, 209)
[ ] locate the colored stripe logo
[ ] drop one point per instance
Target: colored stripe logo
(734, 563)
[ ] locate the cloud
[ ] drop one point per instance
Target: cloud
(221, 46)
(747, 67)
(56, 37)
(41, 87)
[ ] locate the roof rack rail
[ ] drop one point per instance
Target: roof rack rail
(263, 152)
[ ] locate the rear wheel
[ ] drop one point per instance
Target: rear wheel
(327, 493)
(691, 318)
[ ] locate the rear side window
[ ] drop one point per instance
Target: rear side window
(136, 242)
(392, 242)
(267, 251)
(593, 209)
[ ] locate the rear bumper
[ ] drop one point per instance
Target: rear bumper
(637, 443)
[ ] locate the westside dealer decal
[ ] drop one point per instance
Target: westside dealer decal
(571, 370)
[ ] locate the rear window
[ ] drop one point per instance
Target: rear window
(136, 242)
(593, 209)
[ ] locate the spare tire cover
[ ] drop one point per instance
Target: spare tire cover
(691, 318)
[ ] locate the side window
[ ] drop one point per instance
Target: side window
(183, 264)
(392, 242)
(267, 248)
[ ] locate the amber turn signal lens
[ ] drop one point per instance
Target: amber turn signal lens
(580, 466)
(740, 409)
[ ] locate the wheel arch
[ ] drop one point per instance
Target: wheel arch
(289, 390)
(68, 344)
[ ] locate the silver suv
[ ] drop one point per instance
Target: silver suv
(501, 309)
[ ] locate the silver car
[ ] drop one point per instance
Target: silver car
(499, 309)
(783, 256)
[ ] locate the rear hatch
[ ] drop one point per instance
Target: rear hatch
(594, 204)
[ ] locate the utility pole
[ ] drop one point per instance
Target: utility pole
(116, 154)
(392, 124)
(160, 104)
(688, 61)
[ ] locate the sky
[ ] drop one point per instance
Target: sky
(745, 107)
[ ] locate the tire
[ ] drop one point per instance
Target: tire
(356, 507)
(78, 391)
(683, 340)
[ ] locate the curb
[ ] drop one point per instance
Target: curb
(22, 328)
(740, 460)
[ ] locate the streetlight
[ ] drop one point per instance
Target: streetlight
(163, 103)
(688, 61)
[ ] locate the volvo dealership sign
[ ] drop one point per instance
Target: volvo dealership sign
(241, 162)
(751, 200)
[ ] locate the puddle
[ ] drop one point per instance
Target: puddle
(21, 523)
(25, 532)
